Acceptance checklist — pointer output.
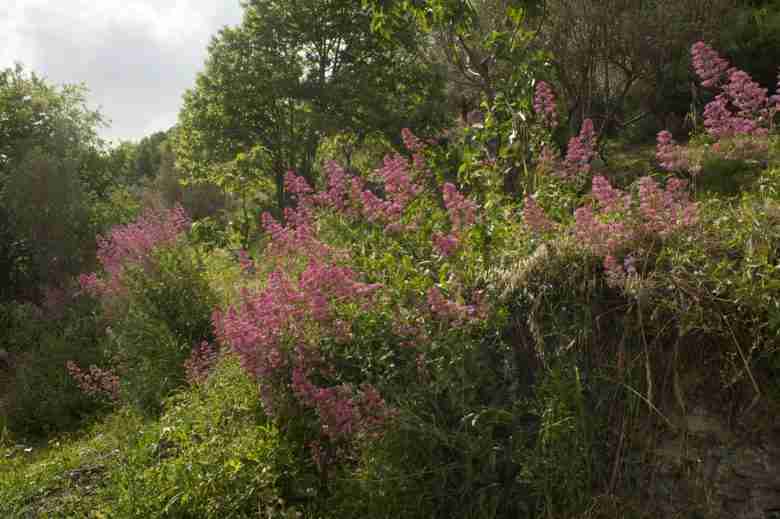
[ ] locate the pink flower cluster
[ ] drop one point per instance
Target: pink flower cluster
(296, 185)
(278, 332)
(95, 382)
(400, 188)
(462, 214)
(453, 312)
(619, 221)
(749, 98)
(290, 311)
(445, 244)
(200, 363)
(739, 117)
(461, 210)
(671, 156)
(580, 151)
(343, 412)
(722, 123)
(446, 309)
(610, 200)
(742, 107)
(339, 191)
(411, 141)
(665, 210)
(133, 244)
(579, 154)
(296, 238)
(257, 329)
(603, 236)
(708, 65)
(544, 104)
(350, 196)
(534, 217)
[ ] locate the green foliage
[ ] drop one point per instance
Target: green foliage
(200, 200)
(517, 393)
(149, 155)
(20, 325)
(752, 41)
(725, 177)
(211, 455)
(289, 75)
(120, 207)
(734, 262)
(165, 312)
(51, 170)
(134, 163)
(565, 465)
(62, 478)
(357, 153)
(42, 398)
(768, 184)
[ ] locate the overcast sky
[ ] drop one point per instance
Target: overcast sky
(137, 57)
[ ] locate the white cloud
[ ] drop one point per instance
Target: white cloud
(136, 56)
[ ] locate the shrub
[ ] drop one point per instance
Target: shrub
(20, 327)
(738, 123)
(42, 397)
(165, 311)
(377, 350)
(157, 300)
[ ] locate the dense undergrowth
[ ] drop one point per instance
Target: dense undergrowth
(410, 342)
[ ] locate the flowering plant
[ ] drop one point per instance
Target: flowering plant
(133, 244)
(619, 226)
(156, 303)
(737, 121)
(358, 287)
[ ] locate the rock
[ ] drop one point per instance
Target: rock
(706, 466)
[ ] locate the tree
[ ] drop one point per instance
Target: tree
(291, 74)
(149, 155)
(52, 168)
(605, 51)
(481, 43)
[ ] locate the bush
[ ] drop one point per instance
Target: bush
(155, 295)
(20, 327)
(42, 396)
(725, 177)
(164, 313)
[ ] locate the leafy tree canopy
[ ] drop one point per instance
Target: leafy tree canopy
(291, 74)
(52, 171)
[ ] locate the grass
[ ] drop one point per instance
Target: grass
(210, 454)
(66, 476)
